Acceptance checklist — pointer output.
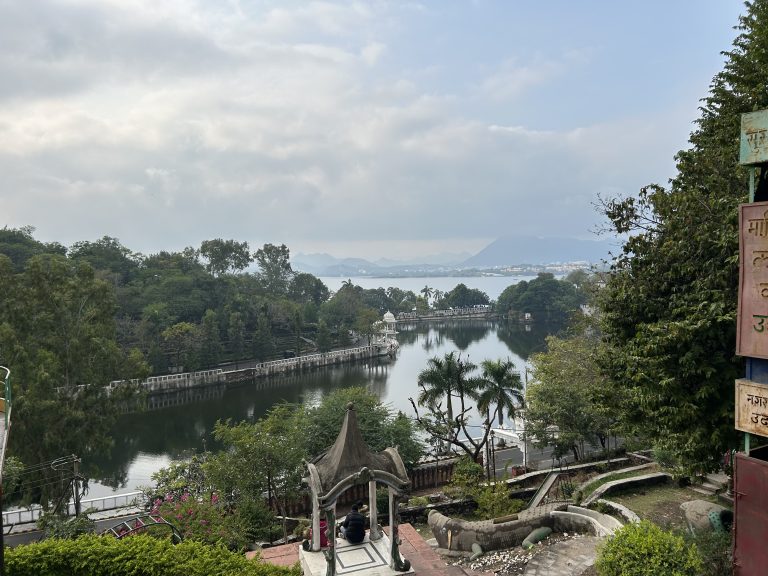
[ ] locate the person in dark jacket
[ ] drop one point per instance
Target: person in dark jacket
(353, 527)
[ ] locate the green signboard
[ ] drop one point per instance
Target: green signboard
(754, 138)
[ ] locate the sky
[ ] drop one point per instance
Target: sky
(366, 129)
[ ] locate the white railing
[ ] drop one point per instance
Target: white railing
(114, 502)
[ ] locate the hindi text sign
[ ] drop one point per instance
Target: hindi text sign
(751, 407)
(752, 319)
(754, 138)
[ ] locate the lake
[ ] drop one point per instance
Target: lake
(147, 441)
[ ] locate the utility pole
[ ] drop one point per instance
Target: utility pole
(76, 483)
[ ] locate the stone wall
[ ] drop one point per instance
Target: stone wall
(459, 535)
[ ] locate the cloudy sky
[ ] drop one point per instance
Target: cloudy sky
(361, 128)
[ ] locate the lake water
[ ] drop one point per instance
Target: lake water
(147, 441)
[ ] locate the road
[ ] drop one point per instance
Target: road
(538, 458)
(15, 539)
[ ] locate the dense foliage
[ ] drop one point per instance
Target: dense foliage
(570, 402)
(449, 390)
(266, 459)
(644, 549)
(138, 555)
(670, 302)
(545, 298)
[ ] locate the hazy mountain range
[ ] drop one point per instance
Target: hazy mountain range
(507, 251)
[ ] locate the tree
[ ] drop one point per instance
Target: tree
(545, 298)
(501, 386)
(225, 255)
(57, 333)
(109, 255)
(323, 337)
(443, 380)
(427, 292)
(570, 401)
(181, 342)
(263, 344)
(463, 297)
(306, 288)
(262, 458)
(669, 305)
(20, 245)
(367, 323)
(380, 426)
(210, 339)
(236, 335)
(275, 267)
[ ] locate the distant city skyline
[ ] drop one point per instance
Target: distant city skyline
(381, 129)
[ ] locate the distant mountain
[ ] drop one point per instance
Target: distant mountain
(516, 250)
(444, 259)
(327, 265)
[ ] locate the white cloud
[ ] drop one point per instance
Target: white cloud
(167, 123)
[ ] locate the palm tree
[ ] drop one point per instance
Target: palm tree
(501, 386)
(428, 292)
(436, 382)
(447, 377)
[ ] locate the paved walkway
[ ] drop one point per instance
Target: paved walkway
(567, 558)
(424, 560)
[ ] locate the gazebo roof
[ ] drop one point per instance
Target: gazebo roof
(350, 461)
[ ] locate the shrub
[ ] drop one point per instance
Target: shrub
(715, 550)
(644, 549)
(206, 521)
(494, 501)
(92, 555)
(466, 479)
(58, 526)
(418, 501)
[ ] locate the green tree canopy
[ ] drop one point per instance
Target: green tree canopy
(462, 297)
(380, 426)
(20, 245)
(670, 302)
(501, 388)
(545, 298)
(225, 256)
(570, 402)
(274, 267)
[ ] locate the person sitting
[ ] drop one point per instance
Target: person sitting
(353, 527)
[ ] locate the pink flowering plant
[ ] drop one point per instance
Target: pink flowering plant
(202, 519)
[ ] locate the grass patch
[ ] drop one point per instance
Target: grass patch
(660, 503)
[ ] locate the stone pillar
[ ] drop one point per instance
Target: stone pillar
(375, 533)
(330, 553)
(315, 523)
(395, 562)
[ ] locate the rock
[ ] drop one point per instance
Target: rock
(697, 514)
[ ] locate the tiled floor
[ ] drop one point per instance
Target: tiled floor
(424, 560)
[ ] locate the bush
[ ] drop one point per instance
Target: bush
(494, 502)
(138, 555)
(715, 550)
(206, 521)
(644, 549)
(466, 479)
(58, 526)
(418, 501)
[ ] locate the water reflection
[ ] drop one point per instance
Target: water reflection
(180, 425)
(527, 339)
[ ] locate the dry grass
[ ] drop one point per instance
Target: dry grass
(660, 504)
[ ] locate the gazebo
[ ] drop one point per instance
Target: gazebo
(347, 463)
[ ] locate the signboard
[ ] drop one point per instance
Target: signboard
(752, 319)
(752, 407)
(754, 138)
